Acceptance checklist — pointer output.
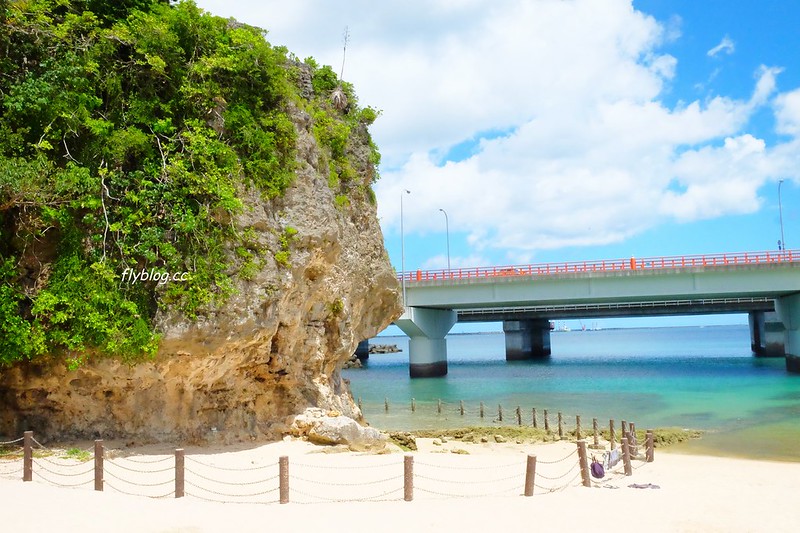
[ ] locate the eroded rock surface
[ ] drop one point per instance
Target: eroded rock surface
(272, 351)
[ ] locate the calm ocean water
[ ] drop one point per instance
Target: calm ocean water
(693, 377)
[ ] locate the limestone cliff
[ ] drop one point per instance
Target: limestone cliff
(275, 348)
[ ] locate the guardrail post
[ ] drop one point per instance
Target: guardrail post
(413, 405)
(519, 416)
(626, 457)
(583, 460)
(578, 427)
(596, 441)
(533, 416)
(27, 456)
(612, 434)
(500, 412)
(546, 422)
(98, 465)
(530, 475)
(408, 477)
(283, 474)
(482, 413)
(180, 473)
(461, 406)
(560, 426)
(650, 454)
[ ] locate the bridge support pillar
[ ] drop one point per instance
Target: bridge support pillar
(767, 334)
(427, 347)
(526, 339)
(789, 311)
(362, 351)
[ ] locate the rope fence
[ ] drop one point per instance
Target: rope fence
(382, 478)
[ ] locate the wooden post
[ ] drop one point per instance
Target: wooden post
(386, 404)
(179, 473)
(651, 449)
(632, 440)
(612, 435)
(624, 428)
(283, 471)
(578, 427)
(98, 465)
(413, 405)
(583, 460)
(626, 457)
(482, 414)
(533, 416)
(461, 405)
(27, 456)
(359, 402)
(519, 416)
(530, 475)
(560, 426)
(408, 477)
(596, 433)
(546, 422)
(500, 412)
(439, 406)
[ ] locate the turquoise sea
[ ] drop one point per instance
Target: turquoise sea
(693, 377)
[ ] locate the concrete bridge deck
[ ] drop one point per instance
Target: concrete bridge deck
(766, 285)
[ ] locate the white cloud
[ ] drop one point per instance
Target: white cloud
(592, 155)
(726, 46)
(787, 112)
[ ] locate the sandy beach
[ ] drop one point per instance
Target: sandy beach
(479, 488)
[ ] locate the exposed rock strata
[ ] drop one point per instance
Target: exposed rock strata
(275, 349)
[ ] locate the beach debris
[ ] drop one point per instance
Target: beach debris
(643, 486)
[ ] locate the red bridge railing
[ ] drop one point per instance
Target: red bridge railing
(606, 265)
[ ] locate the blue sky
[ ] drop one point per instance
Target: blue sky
(559, 130)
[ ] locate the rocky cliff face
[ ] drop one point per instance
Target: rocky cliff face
(273, 350)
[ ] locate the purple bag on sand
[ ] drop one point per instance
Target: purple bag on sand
(597, 470)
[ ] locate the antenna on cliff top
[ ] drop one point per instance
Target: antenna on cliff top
(345, 39)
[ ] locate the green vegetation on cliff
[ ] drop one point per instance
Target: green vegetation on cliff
(128, 132)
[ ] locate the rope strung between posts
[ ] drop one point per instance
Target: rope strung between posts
(6, 443)
(516, 464)
(64, 465)
(470, 482)
(74, 474)
(541, 462)
(117, 463)
(377, 498)
(229, 495)
(138, 484)
(562, 476)
(390, 464)
(148, 462)
(339, 484)
(39, 444)
(158, 497)
(16, 471)
(570, 483)
(231, 483)
(215, 500)
(229, 469)
(476, 495)
(57, 484)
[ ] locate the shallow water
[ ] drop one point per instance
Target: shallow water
(694, 377)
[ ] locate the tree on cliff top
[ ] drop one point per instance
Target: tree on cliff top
(128, 129)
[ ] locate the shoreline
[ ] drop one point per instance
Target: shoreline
(695, 493)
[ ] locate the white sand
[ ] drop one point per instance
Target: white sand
(696, 493)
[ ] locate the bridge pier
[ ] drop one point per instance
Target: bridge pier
(767, 334)
(427, 347)
(789, 311)
(362, 350)
(526, 339)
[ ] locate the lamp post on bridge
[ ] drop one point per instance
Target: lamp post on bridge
(780, 214)
(403, 246)
(447, 232)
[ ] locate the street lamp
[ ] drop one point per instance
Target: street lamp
(403, 246)
(780, 214)
(447, 231)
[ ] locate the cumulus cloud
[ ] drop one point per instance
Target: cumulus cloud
(588, 151)
(725, 46)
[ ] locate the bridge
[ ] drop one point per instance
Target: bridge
(526, 298)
